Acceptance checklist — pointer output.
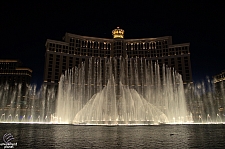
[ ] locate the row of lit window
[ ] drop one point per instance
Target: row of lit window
(64, 58)
(107, 45)
(15, 72)
(220, 76)
(172, 51)
(131, 54)
(86, 42)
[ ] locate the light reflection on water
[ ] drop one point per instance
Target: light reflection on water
(70, 136)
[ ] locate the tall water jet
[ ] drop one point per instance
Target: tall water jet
(121, 91)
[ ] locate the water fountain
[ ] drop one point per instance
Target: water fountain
(115, 91)
(121, 91)
(9, 118)
(3, 117)
(218, 119)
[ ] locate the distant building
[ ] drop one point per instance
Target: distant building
(11, 72)
(14, 82)
(75, 49)
(219, 82)
(15, 77)
(219, 77)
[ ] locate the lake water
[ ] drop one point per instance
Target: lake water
(70, 136)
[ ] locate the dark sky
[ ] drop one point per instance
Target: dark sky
(25, 27)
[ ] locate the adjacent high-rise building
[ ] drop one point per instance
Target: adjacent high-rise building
(76, 49)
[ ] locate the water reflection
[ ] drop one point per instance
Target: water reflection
(69, 136)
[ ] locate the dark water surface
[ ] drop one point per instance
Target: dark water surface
(70, 136)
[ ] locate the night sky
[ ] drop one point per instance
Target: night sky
(25, 27)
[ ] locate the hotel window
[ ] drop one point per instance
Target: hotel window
(88, 44)
(118, 47)
(172, 60)
(166, 61)
(134, 48)
(172, 51)
(90, 52)
(64, 49)
(77, 62)
(187, 77)
(92, 44)
(87, 52)
(108, 53)
(154, 45)
(83, 60)
(186, 61)
(104, 45)
(72, 44)
(148, 54)
(64, 63)
(179, 66)
(127, 47)
(57, 57)
(57, 48)
(82, 43)
(102, 53)
(109, 47)
(95, 52)
(151, 54)
(77, 51)
(71, 51)
(147, 45)
(131, 46)
(77, 43)
(150, 45)
(166, 52)
(141, 53)
(101, 46)
(71, 40)
(178, 50)
(50, 57)
(138, 46)
(95, 45)
(186, 51)
(158, 53)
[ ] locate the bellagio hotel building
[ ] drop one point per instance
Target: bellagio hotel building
(75, 49)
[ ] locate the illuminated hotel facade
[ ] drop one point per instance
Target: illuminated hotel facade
(76, 49)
